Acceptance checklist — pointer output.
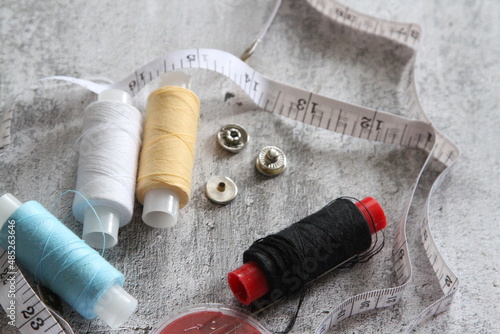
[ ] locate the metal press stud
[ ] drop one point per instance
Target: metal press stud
(232, 137)
(221, 189)
(271, 161)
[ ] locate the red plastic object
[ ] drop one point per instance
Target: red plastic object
(248, 283)
(374, 214)
(211, 319)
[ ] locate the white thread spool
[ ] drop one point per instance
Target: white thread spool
(107, 167)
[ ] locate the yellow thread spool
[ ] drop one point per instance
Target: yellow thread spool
(167, 155)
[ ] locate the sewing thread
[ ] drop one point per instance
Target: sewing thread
(167, 155)
(283, 263)
(59, 259)
(107, 169)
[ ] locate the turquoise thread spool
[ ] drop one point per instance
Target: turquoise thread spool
(63, 262)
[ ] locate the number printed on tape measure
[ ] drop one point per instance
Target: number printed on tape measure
(23, 307)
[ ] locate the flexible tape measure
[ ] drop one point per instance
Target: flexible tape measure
(24, 308)
(338, 116)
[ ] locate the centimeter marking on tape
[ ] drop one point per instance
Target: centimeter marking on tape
(5, 129)
(340, 117)
(23, 307)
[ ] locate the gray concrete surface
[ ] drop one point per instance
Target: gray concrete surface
(457, 77)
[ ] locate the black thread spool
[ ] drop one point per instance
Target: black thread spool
(283, 263)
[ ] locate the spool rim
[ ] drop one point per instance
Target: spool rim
(248, 283)
(373, 213)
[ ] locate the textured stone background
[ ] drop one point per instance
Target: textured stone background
(458, 80)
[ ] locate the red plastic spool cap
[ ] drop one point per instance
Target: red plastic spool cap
(374, 214)
(248, 283)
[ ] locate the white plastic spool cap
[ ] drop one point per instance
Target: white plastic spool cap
(8, 205)
(161, 208)
(161, 205)
(101, 229)
(175, 78)
(115, 306)
(115, 95)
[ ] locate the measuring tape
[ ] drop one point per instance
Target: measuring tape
(338, 116)
(24, 308)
